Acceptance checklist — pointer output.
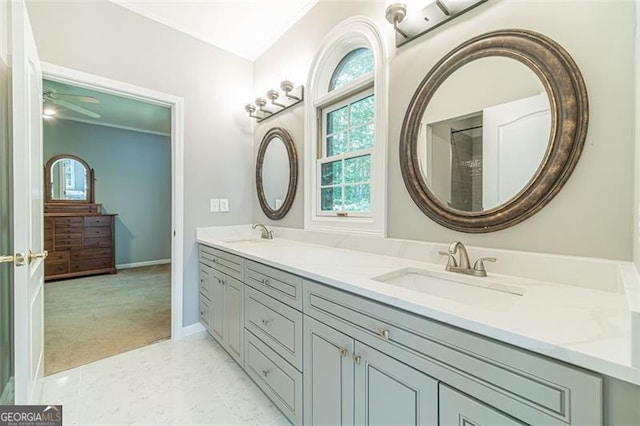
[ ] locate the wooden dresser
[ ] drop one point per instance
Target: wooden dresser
(79, 244)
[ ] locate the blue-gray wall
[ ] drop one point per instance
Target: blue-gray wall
(133, 179)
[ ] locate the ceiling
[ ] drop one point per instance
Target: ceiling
(115, 111)
(244, 27)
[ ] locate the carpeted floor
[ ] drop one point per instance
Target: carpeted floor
(90, 318)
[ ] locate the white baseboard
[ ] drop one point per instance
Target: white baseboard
(192, 329)
(139, 264)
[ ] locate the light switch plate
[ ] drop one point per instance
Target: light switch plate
(214, 205)
(224, 205)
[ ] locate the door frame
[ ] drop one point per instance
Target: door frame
(176, 103)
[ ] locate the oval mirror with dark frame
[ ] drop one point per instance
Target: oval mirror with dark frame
(494, 131)
(68, 179)
(276, 173)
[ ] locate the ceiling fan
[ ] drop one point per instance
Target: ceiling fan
(66, 100)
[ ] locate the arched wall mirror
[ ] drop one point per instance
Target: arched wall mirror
(68, 179)
(494, 131)
(276, 173)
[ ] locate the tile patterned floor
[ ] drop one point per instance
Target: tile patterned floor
(192, 381)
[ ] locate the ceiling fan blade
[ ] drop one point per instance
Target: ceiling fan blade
(76, 108)
(79, 98)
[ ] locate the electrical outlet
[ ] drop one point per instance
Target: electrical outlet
(224, 205)
(214, 205)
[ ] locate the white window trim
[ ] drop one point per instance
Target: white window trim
(350, 34)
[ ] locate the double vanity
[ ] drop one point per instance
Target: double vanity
(337, 336)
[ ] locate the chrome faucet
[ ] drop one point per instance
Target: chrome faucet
(464, 267)
(265, 233)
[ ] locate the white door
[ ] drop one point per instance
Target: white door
(27, 208)
(515, 136)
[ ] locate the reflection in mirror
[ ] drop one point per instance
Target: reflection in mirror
(484, 134)
(68, 180)
(275, 173)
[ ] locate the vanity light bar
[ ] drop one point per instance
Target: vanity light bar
(263, 109)
(410, 26)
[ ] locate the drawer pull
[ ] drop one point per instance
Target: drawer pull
(384, 334)
(201, 313)
(265, 373)
(202, 280)
(356, 359)
(264, 281)
(343, 352)
(214, 260)
(265, 322)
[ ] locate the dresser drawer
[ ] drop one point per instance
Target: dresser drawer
(56, 268)
(280, 381)
(91, 254)
(205, 313)
(70, 221)
(97, 231)
(85, 265)
(276, 324)
(527, 386)
(227, 263)
(92, 221)
(282, 286)
(97, 242)
(58, 256)
(68, 244)
(68, 234)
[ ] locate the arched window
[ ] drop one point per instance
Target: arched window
(345, 156)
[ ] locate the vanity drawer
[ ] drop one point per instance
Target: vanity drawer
(68, 234)
(101, 221)
(58, 256)
(205, 313)
(97, 231)
(91, 254)
(227, 263)
(280, 381)
(86, 265)
(205, 278)
(97, 242)
(276, 324)
(527, 386)
(282, 286)
(455, 408)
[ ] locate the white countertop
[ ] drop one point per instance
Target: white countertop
(582, 326)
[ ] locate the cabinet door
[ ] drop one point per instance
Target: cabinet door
(217, 309)
(234, 317)
(328, 375)
(457, 409)
(390, 392)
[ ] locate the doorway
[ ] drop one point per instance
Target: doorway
(155, 268)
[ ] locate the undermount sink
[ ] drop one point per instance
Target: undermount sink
(246, 240)
(479, 292)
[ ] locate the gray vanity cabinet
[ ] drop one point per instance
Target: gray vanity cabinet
(328, 375)
(221, 274)
(347, 382)
(457, 409)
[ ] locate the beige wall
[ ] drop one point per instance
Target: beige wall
(592, 215)
(102, 38)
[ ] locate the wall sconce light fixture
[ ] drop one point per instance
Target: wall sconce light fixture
(261, 109)
(427, 16)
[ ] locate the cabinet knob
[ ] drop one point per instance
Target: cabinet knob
(265, 373)
(201, 280)
(384, 333)
(343, 352)
(264, 281)
(265, 322)
(356, 359)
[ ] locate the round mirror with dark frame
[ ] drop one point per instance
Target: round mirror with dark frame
(276, 173)
(494, 131)
(68, 179)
